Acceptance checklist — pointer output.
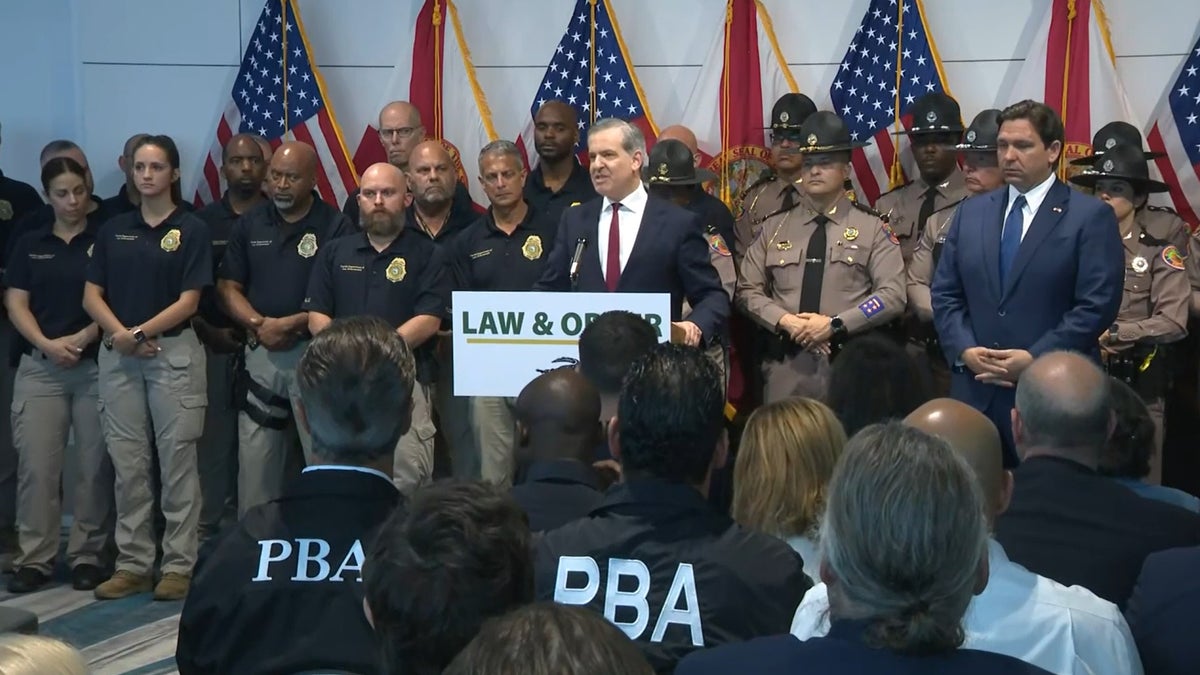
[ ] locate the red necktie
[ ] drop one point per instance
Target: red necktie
(612, 272)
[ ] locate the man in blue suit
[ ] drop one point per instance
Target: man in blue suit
(635, 243)
(1162, 612)
(1027, 269)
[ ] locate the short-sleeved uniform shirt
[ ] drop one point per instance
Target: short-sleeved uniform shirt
(551, 204)
(53, 272)
(220, 218)
(485, 258)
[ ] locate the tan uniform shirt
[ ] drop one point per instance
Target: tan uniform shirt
(921, 266)
(722, 261)
(902, 207)
(863, 281)
(757, 204)
(1163, 223)
(1154, 306)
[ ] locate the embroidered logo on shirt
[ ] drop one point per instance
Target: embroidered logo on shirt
(871, 306)
(396, 270)
(1173, 257)
(170, 240)
(307, 247)
(532, 248)
(717, 243)
(891, 234)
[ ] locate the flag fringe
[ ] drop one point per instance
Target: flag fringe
(337, 128)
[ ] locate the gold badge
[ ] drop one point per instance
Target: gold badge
(812, 140)
(1140, 264)
(662, 169)
(784, 117)
(532, 248)
(307, 247)
(6, 212)
(170, 241)
(90, 247)
(396, 270)
(850, 234)
(784, 245)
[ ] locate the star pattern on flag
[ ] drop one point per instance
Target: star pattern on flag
(1184, 101)
(569, 76)
(889, 62)
(276, 88)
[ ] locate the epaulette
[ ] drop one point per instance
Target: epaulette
(1166, 209)
(898, 187)
(763, 178)
(868, 210)
(1147, 238)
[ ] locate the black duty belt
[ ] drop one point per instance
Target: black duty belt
(1143, 367)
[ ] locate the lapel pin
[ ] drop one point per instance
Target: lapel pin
(1057, 209)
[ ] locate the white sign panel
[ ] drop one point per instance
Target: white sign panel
(502, 340)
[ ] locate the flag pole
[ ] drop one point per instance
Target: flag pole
(437, 69)
(592, 64)
(894, 172)
(1062, 166)
(283, 24)
(724, 177)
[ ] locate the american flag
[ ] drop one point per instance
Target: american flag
(279, 95)
(891, 62)
(1175, 130)
(590, 71)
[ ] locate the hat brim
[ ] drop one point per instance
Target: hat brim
(702, 176)
(1091, 179)
(925, 131)
(829, 149)
(968, 147)
(1091, 159)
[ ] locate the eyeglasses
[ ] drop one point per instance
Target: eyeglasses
(778, 137)
(402, 132)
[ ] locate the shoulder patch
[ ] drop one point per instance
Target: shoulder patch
(891, 234)
(871, 306)
(1173, 257)
(717, 243)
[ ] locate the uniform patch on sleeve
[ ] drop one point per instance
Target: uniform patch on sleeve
(871, 306)
(717, 243)
(891, 234)
(1173, 257)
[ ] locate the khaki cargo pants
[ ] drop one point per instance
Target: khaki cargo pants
(265, 454)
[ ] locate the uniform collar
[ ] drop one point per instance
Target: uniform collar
(171, 219)
(561, 471)
(489, 219)
(357, 482)
(634, 201)
(838, 212)
(578, 174)
(346, 467)
(277, 218)
(955, 184)
(785, 185)
(654, 491)
(364, 243)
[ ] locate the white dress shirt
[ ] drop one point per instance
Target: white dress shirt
(808, 550)
(630, 218)
(1065, 630)
(1033, 202)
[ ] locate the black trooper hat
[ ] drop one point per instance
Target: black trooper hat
(823, 132)
(672, 163)
(935, 113)
(1110, 136)
(790, 111)
(981, 135)
(1121, 162)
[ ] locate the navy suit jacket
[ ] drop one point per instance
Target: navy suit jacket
(1062, 293)
(1162, 612)
(670, 255)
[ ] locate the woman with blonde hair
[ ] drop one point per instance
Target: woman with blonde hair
(788, 451)
(38, 655)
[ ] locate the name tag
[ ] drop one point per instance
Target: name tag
(41, 256)
(479, 254)
(125, 237)
(352, 268)
(261, 242)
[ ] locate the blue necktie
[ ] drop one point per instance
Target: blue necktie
(1010, 240)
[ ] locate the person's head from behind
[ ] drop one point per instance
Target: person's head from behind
(547, 638)
(1062, 409)
(356, 381)
(38, 655)
(670, 421)
(608, 347)
(903, 539)
(156, 168)
(1029, 144)
(557, 417)
(787, 454)
(1128, 451)
(64, 182)
(453, 556)
(973, 437)
(64, 148)
(874, 379)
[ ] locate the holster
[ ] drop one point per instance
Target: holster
(244, 387)
(1142, 367)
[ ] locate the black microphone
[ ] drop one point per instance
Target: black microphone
(580, 245)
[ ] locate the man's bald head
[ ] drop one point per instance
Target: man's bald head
(974, 437)
(684, 135)
(302, 154)
(431, 176)
(1062, 408)
(292, 178)
(243, 165)
(555, 131)
(557, 415)
(401, 111)
(400, 129)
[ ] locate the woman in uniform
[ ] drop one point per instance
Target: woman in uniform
(1154, 306)
(55, 387)
(143, 287)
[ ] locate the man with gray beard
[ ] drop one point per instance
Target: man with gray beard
(261, 285)
(393, 272)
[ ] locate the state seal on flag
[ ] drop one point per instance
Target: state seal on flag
(740, 167)
(1073, 150)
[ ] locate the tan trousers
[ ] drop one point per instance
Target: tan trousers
(164, 398)
(264, 454)
(48, 402)
(494, 427)
(412, 463)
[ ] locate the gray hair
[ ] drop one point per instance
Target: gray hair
(502, 148)
(632, 140)
(904, 534)
(1073, 416)
(57, 147)
(356, 384)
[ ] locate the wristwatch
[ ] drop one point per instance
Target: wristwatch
(838, 326)
(139, 336)
(107, 340)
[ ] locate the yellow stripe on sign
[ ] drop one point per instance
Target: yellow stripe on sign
(519, 341)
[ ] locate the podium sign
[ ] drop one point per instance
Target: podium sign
(503, 339)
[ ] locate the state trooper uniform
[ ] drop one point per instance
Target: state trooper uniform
(485, 258)
(856, 275)
(272, 260)
(409, 278)
(142, 270)
(670, 571)
(923, 343)
(1154, 305)
(282, 592)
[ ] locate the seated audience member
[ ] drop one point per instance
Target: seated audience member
(654, 557)
(456, 555)
(550, 639)
(1064, 630)
(904, 549)
(1065, 520)
(283, 591)
(1126, 456)
(38, 655)
(787, 455)
(873, 380)
(1162, 612)
(557, 433)
(608, 347)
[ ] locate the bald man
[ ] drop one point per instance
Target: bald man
(684, 135)
(391, 271)
(558, 180)
(261, 284)
(1066, 521)
(1061, 629)
(557, 432)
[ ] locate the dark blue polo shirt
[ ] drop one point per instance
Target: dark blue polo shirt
(17, 200)
(273, 259)
(143, 270)
(53, 272)
(43, 217)
(220, 218)
(460, 218)
(550, 204)
(485, 258)
(462, 203)
(119, 203)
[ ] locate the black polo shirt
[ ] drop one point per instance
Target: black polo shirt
(550, 204)
(53, 272)
(143, 270)
(273, 259)
(485, 258)
(119, 203)
(16, 200)
(459, 219)
(461, 202)
(555, 492)
(43, 217)
(221, 218)
(713, 214)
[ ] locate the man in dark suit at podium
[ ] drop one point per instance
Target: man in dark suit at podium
(630, 242)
